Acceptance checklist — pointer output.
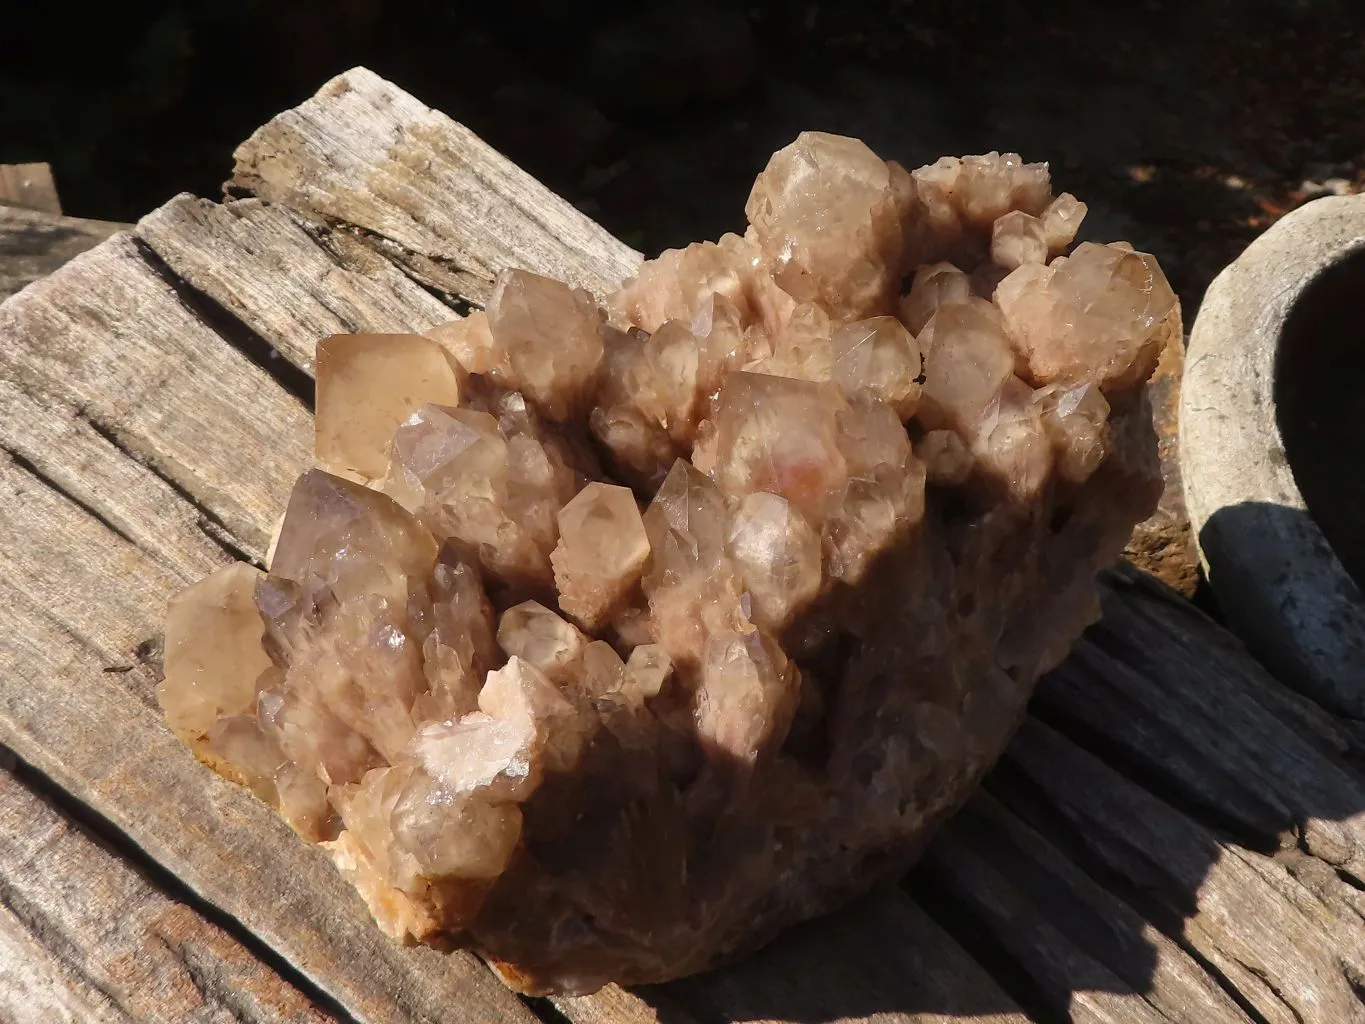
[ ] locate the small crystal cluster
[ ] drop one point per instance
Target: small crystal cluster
(607, 641)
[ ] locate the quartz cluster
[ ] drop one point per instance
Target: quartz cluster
(610, 638)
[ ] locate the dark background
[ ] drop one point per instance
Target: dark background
(1187, 126)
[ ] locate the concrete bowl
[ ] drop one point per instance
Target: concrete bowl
(1272, 448)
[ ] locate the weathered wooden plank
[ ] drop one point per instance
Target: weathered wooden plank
(1207, 739)
(365, 153)
(34, 243)
(108, 336)
(232, 258)
(1159, 690)
(1084, 949)
(30, 186)
(85, 937)
(1142, 610)
(83, 726)
(1343, 898)
(99, 586)
(615, 1005)
(1219, 752)
(1345, 948)
(62, 448)
(34, 987)
(79, 599)
(1072, 980)
(260, 264)
(882, 961)
(1267, 935)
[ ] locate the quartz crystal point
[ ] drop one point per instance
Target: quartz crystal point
(602, 552)
(607, 642)
(216, 655)
(548, 333)
(367, 385)
(829, 216)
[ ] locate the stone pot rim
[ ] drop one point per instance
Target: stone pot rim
(1278, 580)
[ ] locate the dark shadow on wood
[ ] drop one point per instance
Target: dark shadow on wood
(1124, 862)
(33, 244)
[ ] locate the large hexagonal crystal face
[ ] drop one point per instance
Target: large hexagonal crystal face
(608, 641)
(367, 385)
(601, 554)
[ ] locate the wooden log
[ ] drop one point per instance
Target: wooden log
(616, 1005)
(1087, 952)
(78, 599)
(1216, 741)
(59, 446)
(289, 284)
(1175, 702)
(112, 338)
(151, 358)
(34, 243)
(882, 960)
(30, 186)
(84, 936)
(1136, 604)
(366, 154)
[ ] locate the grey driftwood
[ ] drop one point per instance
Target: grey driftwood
(1175, 836)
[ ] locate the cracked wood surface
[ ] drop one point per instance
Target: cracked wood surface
(1174, 836)
(85, 936)
(289, 282)
(365, 154)
(34, 243)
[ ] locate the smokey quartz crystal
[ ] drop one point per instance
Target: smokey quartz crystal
(613, 634)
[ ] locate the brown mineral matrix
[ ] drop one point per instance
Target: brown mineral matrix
(614, 636)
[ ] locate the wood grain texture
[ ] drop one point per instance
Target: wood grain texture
(85, 937)
(616, 1005)
(34, 243)
(59, 446)
(145, 439)
(881, 961)
(35, 986)
(260, 264)
(77, 599)
(1242, 913)
(1086, 951)
(1207, 738)
(362, 152)
(107, 335)
(1138, 605)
